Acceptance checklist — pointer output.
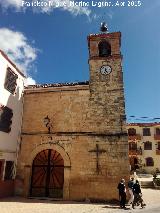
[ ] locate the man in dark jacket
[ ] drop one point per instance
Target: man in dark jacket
(137, 195)
(122, 193)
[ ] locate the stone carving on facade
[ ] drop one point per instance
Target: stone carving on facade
(48, 123)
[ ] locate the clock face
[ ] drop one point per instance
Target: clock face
(105, 70)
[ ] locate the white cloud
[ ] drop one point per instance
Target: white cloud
(11, 3)
(20, 5)
(17, 47)
(29, 81)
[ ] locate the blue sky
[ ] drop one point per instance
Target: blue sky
(50, 45)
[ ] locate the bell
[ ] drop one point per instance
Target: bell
(104, 52)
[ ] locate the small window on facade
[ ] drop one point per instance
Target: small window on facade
(132, 146)
(146, 132)
(9, 169)
(149, 161)
(104, 49)
(158, 145)
(157, 131)
(6, 115)
(10, 81)
(131, 131)
(147, 145)
(1, 168)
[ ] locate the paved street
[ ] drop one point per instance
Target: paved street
(21, 205)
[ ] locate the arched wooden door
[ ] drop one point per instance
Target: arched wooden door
(47, 175)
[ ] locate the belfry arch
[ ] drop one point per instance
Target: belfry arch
(104, 48)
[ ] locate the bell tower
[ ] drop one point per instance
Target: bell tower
(107, 112)
(106, 82)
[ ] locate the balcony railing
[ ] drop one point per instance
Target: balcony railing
(134, 137)
(158, 152)
(135, 152)
(156, 137)
(132, 152)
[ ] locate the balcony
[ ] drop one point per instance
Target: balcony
(156, 137)
(134, 137)
(158, 152)
(135, 152)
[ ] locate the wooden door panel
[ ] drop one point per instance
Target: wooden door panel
(47, 174)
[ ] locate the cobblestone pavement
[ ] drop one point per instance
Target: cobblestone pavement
(22, 205)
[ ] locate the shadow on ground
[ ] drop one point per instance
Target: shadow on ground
(113, 206)
(47, 201)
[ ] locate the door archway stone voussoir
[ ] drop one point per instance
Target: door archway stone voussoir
(28, 167)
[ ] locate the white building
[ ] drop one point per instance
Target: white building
(144, 146)
(11, 105)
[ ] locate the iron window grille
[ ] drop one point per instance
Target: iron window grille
(146, 132)
(157, 131)
(147, 145)
(158, 145)
(10, 81)
(131, 132)
(9, 170)
(6, 115)
(1, 168)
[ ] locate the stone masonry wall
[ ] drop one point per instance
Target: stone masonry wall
(87, 128)
(71, 131)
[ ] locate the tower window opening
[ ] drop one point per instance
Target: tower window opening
(104, 49)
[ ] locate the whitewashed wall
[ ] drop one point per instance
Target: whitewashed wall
(9, 141)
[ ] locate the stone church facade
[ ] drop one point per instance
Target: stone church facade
(74, 143)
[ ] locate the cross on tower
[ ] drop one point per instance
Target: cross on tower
(98, 152)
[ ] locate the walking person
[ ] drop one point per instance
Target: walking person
(122, 193)
(130, 190)
(137, 195)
